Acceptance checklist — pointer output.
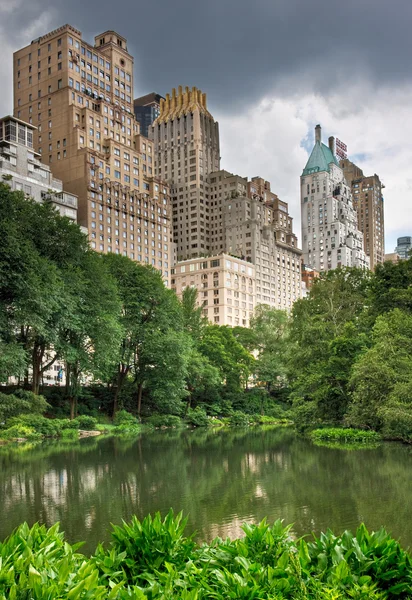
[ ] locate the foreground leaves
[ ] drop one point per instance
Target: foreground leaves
(153, 559)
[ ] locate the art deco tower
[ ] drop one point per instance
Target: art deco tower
(186, 142)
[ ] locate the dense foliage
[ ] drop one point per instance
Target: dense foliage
(154, 559)
(110, 321)
(342, 358)
(350, 351)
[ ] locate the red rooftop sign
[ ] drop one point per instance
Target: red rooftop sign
(341, 149)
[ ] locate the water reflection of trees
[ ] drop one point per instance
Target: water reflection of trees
(219, 478)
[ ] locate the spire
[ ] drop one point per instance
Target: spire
(321, 156)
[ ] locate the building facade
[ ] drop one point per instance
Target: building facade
(21, 168)
(186, 140)
(80, 98)
(368, 202)
(225, 284)
(251, 222)
(309, 276)
(404, 247)
(392, 257)
(330, 234)
(217, 212)
(146, 111)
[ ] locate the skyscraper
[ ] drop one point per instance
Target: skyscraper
(369, 205)
(330, 235)
(146, 110)
(256, 225)
(404, 247)
(80, 98)
(216, 212)
(186, 141)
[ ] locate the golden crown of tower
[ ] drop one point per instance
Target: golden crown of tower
(180, 103)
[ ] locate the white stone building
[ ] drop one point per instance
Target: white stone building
(330, 234)
(21, 168)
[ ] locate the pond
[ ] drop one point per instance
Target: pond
(220, 479)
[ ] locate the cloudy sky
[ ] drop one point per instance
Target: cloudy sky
(272, 69)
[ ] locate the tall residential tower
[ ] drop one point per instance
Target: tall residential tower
(79, 96)
(404, 247)
(368, 202)
(330, 234)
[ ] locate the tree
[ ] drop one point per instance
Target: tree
(327, 332)
(270, 329)
(224, 352)
(391, 287)
(382, 378)
(193, 320)
(201, 375)
(39, 247)
(152, 350)
(89, 340)
(203, 379)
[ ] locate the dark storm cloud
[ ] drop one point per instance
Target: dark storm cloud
(237, 50)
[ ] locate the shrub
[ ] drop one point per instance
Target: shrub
(70, 434)
(42, 425)
(197, 417)
(153, 559)
(239, 419)
(397, 422)
(305, 415)
(278, 412)
(123, 417)
(269, 420)
(85, 422)
(334, 434)
(18, 432)
(152, 545)
(164, 421)
(127, 429)
(19, 403)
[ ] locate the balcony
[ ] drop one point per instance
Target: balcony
(61, 198)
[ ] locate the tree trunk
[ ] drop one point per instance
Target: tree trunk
(121, 376)
(67, 384)
(139, 398)
(72, 407)
(37, 359)
(189, 401)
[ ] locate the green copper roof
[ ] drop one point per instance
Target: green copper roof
(320, 159)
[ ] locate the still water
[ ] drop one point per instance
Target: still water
(219, 478)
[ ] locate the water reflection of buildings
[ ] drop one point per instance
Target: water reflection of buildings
(52, 490)
(252, 463)
(230, 528)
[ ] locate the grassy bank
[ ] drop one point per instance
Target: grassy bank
(154, 559)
